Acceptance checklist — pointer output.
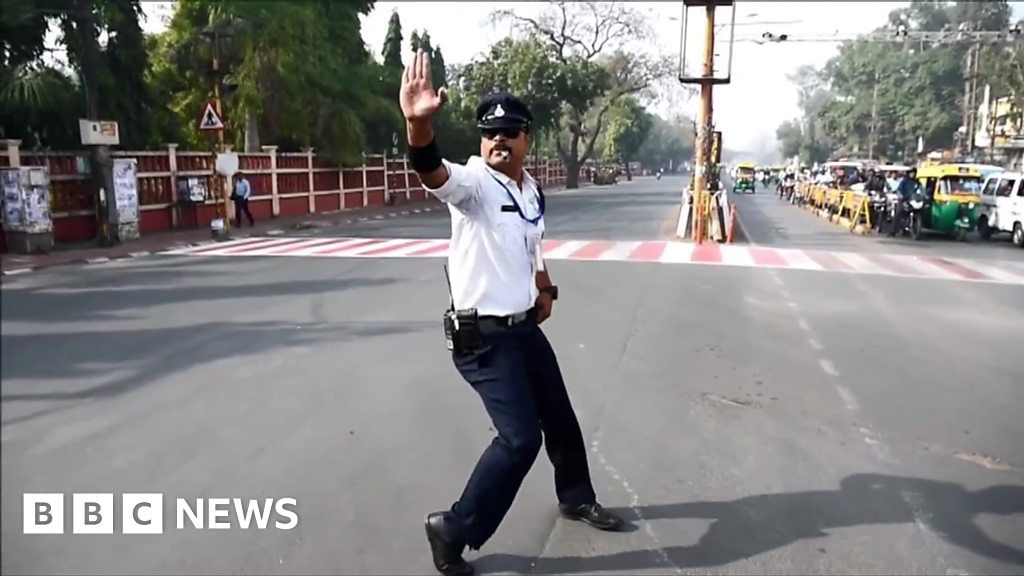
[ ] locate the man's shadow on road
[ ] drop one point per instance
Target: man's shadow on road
(756, 524)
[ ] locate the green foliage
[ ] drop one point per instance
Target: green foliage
(572, 66)
(628, 128)
(668, 145)
(38, 98)
(392, 51)
(888, 95)
(301, 68)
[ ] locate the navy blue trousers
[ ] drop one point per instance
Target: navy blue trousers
(517, 376)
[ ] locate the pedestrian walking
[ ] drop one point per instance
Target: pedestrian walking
(241, 195)
(501, 292)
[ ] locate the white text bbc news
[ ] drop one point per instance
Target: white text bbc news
(144, 513)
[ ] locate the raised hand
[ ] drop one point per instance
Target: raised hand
(417, 97)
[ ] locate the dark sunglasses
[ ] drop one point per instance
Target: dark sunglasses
(510, 133)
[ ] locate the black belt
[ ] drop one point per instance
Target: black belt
(510, 320)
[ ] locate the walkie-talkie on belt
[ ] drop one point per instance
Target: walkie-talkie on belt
(461, 327)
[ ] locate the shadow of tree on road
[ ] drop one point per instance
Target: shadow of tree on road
(151, 355)
(757, 524)
(101, 303)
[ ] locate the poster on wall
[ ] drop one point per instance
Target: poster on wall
(11, 199)
(26, 199)
(35, 197)
(126, 190)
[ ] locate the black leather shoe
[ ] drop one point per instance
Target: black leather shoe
(593, 514)
(447, 554)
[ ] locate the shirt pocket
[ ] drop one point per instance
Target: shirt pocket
(509, 228)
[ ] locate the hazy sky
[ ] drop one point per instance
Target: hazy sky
(747, 111)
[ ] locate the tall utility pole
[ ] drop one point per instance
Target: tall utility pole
(705, 126)
(971, 96)
(214, 33)
(874, 120)
(703, 204)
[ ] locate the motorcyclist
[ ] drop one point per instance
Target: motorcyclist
(787, 179)
(908, 186)
(875, 187)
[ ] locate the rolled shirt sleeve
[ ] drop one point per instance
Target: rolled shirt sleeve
(462, 187)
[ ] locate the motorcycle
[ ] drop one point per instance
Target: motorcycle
(878, 201)
(913, 216)
(786, 189)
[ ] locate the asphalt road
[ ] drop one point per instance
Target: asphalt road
(746, 420)
(769, 221)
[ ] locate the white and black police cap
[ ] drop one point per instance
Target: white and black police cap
(503, 110)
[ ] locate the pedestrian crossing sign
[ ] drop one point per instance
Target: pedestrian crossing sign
(210, 119)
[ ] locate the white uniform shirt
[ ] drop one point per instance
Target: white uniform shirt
(494, 252)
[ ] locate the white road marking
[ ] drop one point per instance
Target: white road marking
(634, 504)
(828, 367)
(676, 252)
(620, 251)
(563, 251)
(733, 255)
(803, 325)
(860, 263)
(815, 344)
(798, 259)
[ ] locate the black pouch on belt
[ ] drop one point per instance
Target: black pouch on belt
(462, 330)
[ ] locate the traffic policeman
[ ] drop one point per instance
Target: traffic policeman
(501, 293)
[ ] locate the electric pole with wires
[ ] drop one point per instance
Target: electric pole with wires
(706, 205)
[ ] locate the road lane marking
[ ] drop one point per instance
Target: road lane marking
(563, 250)
(799, 259)
(634, 504)
(622, 250)
(815, 344)
(828, 367)
(803, 325)
(666, 252)
(848, 399)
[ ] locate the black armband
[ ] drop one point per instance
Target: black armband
(426, 158)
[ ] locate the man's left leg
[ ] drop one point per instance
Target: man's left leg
(563, 439)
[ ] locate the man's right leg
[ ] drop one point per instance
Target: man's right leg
(499, 376)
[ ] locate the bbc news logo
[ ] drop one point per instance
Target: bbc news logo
(144, 513)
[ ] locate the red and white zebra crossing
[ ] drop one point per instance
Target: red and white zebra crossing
(665, 252)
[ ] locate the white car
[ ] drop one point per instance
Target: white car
(1002, 206)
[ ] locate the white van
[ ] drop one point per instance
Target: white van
(1002, 206)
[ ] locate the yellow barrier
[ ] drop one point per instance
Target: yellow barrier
(844, 207)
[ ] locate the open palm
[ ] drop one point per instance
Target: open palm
(417, 97)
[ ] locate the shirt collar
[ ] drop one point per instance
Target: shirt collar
(501, 176)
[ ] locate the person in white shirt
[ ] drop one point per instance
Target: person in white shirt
(241, 196)
(501, 292)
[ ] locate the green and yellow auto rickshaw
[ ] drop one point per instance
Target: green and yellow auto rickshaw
(743, 178)
(953, 198)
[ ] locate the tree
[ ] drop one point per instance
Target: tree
(392, 51)
(628, 129)
(668, 145)
(438, 72)
(790, 137)
(584, 46)
(872, 97)
(301, 69)
(110, 74)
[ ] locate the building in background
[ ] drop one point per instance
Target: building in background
(1000, 135)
